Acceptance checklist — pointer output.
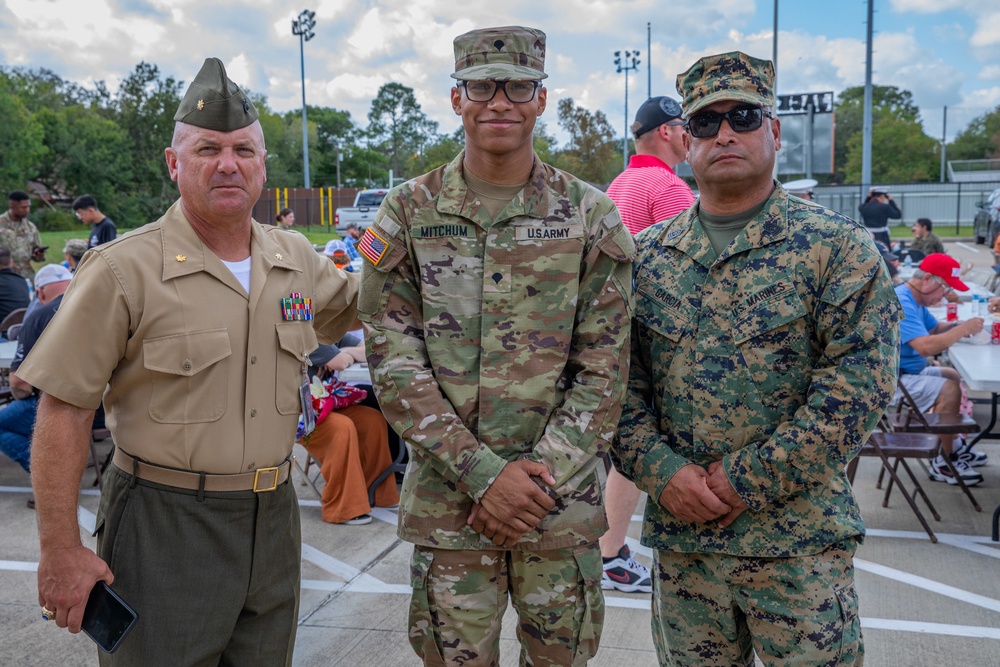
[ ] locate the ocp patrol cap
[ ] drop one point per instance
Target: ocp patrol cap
(505, 53)
(726, 76)
(214, 102)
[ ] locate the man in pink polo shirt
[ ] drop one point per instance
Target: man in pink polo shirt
(649, 190)
(645, 193)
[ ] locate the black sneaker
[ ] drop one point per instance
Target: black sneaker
(964, 452)
(940, 472)
(623, 573)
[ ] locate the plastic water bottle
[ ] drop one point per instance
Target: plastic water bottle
(908, 262)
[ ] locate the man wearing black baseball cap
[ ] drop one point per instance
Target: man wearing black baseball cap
(649, 190)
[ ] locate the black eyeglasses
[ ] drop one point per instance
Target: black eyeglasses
(741, 119)
(518, 92)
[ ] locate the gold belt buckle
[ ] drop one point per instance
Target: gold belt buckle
(274, 480)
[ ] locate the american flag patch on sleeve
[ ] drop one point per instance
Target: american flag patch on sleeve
(372, 246)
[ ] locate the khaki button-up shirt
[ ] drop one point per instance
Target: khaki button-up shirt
(199, 374)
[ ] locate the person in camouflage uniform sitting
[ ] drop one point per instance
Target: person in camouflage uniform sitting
(495, 297)
(764, 350)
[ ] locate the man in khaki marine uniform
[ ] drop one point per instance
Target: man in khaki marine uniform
(495, 297)
(204, 322)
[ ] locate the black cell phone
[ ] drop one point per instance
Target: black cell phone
(107, 618)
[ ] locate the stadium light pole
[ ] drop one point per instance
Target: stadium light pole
(626, 61)
(303, 28)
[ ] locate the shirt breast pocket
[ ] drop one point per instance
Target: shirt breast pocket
(189, 376)
(774, 342)
(295, 341)
(659, 329)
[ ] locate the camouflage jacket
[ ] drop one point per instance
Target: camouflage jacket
(20, 238)
(490, 341)
(777, 357)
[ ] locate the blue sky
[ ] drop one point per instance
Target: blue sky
(946, 52)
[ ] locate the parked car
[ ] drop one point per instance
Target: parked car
(366, 204)
(987, 221)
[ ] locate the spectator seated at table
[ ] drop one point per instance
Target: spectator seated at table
(921, 336)
(17, 419)
(351, 444)
(924, 240)
(337, 251)
(353, 235)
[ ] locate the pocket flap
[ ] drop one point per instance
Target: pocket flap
(186, 354)
(653, 313)
(297, 338)
(767, 316)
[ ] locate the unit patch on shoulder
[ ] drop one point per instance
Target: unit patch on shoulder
(372, 246)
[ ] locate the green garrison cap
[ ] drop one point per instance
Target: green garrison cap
(214, 102)
(509, 52)
(726, 76)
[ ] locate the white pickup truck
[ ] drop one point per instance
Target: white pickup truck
(362, 214)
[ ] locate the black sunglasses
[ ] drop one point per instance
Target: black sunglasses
(741, 119)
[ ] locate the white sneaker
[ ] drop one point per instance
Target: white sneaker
(623, 573)
(963, 451)
(940, 472)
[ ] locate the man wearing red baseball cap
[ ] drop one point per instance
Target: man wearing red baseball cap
(921, 337)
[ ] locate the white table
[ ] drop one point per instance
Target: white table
(979, 366)
(355, 373)
(7, 351)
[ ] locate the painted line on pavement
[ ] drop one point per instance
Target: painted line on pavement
(18, 566)
(927, 584)
(967, 247)
(930, 628)
(355, 579)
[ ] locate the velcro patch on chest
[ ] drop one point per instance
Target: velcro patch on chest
(549, 233)
(443, 231)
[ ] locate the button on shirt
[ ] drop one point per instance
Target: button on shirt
(177, 337)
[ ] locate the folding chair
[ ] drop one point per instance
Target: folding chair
(886, 445)
(304, 472)
(908, 418)
(15, 316)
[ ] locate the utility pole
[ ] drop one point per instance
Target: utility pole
(626, 61)
(302, 27)
(866, 137)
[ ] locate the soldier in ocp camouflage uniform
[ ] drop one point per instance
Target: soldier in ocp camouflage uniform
(495, 295)
(20, 235)
(764, 349)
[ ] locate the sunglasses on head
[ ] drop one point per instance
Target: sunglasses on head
(741, 119)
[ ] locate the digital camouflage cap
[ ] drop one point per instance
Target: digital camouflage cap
(726, 76)
(214, 102)
(505, 53)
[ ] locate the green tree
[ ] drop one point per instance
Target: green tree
(144, 108)
(901, 153)
(544, 143)
(398, 126)
(590, 153)
(21, 139)
(88, 153)
(981, 139)
(887, 101)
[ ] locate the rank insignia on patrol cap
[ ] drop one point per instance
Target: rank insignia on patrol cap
(504, 53)
(726, 76)
(214, 102)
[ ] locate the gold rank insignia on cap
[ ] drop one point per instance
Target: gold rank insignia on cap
(213, 101)
(181, 258)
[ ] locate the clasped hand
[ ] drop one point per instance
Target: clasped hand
(699, 496)
(514, 504)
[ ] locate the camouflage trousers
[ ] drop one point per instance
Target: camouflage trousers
(459, 598)
(717, 610)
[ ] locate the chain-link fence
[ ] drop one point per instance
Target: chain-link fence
(952, 207)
